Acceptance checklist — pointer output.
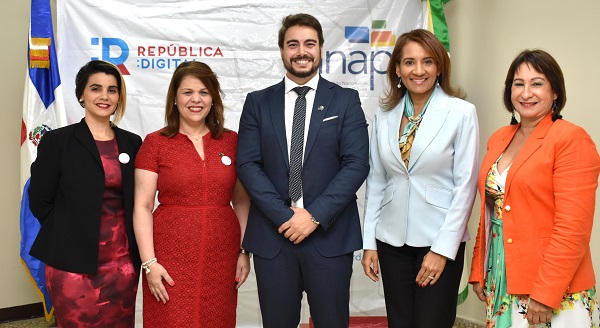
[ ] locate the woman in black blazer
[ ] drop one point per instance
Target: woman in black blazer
(81, 191)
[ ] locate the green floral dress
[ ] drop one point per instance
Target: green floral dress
(503, 310)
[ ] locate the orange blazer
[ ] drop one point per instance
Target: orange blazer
(548, 211)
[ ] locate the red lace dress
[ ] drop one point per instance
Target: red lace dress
(107, 298)
(196, 232)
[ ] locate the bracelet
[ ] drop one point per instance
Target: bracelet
(312, 218)
(148, 262)
(146, 265)
(245, 252)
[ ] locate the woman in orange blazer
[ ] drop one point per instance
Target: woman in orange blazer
(538, 180)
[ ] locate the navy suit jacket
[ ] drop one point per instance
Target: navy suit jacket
(336, 163)
(66, 194)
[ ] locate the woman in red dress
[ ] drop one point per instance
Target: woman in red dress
(192, 240)
(81, 191)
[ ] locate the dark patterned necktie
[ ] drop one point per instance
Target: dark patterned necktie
(297, 144)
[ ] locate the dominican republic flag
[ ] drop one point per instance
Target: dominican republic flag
(43, 110)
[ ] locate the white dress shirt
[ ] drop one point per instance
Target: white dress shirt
(290, 101)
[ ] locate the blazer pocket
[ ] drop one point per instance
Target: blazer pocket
(328, 122)
(388, 195)
(439, 197)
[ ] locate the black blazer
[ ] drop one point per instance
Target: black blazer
(66, 193)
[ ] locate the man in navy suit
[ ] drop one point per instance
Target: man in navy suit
(303, 244)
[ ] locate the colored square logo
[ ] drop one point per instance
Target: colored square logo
(357, 34)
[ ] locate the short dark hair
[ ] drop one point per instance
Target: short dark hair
(544, 63)
(300, 20)
(100, 66)
(215, 118)
(433, 46)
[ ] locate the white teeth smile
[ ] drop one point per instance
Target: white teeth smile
(103, 106)
(528, 104)
(302, 60)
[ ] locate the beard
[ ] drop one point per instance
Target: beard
(302, 74)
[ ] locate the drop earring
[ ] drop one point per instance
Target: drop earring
(513, 120)
(399, 83)
(81, 103)
(555, 115)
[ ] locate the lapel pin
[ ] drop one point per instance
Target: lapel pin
(124, 158)
(321, 107)
(226, 160)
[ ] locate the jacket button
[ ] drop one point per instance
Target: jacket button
(509, 240)
(507, 208)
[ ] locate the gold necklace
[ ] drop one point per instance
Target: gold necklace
(196, 138)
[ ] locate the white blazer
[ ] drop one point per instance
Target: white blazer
(430, 202)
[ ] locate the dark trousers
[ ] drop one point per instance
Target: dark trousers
(298, 268)
(408, 305)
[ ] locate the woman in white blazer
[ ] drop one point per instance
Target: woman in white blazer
(421, 186)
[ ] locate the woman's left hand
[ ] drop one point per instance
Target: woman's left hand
(242, 270)
(431, 269)
(538, 312)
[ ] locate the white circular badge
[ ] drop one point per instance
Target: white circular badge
(124, 158)
(226, 160)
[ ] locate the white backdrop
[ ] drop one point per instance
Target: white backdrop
(238, 39)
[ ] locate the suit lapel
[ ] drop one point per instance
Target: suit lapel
(124, 146)
(277, 113)
(498, 148)
(393, 122)
(323, 98)
(84, 136)
(433, 120)
(533, 143)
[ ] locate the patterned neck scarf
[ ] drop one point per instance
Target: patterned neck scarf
(410, 130)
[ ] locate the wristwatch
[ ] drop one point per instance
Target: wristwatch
(312, 218)
(243, 251)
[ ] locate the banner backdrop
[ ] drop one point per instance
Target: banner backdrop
(147, 39)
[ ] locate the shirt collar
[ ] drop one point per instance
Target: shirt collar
(312, 83)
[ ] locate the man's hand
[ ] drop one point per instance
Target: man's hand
(299, 226)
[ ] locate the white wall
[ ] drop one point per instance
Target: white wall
(485, 36)
(15, 288)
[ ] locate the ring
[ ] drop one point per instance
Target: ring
(430, 277)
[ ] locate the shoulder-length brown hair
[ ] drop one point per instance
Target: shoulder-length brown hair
(215, 118)
(433, 46)
(544, 63)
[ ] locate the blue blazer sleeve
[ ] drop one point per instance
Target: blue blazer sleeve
(251, 159)
(352, 163)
